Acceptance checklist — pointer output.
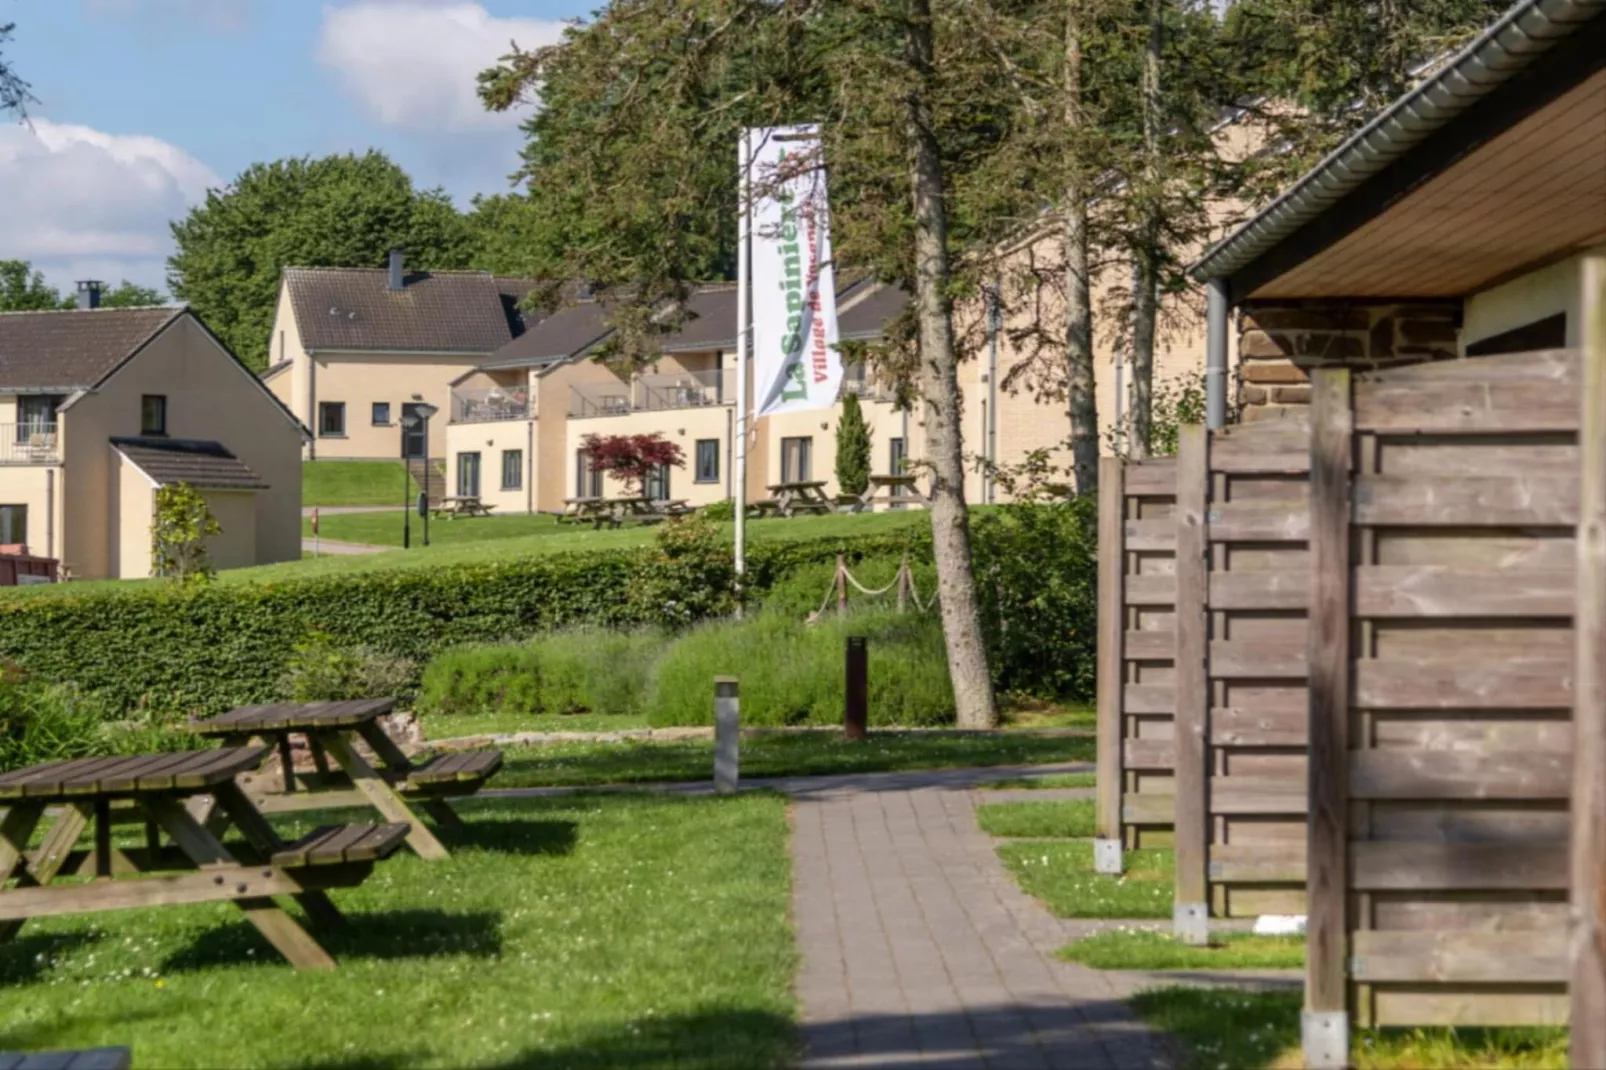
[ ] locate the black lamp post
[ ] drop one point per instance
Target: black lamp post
(415, 419)
(424, 412)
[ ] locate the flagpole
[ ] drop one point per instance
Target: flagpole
(743, 284)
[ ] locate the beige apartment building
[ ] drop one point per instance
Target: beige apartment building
(354, 350)
(100, 407)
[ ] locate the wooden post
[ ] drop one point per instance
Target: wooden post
(1325, 1024)
(903, 584)
(1587, 986)
(727, 734)
(856, 687)
(1191, 912)
(841, 583)
(1111, 658)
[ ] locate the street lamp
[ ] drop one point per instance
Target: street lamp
(416, 418)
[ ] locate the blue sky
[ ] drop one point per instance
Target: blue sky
(144, 104)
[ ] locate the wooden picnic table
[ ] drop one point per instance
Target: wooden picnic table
(801, 497)
(893, 491)
(332, 731)
(462, 505)
(615, 511)
(581, 510)
(195, 868)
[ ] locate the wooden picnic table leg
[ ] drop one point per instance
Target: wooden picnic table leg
(270, 919)
(384, 798)
(15, 830)
(396, 762)
(46, 862)
(261, 835)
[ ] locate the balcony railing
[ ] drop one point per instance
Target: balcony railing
(29, 444)
(680, 390)
(857, 383)
(484, 406)
(599, 399)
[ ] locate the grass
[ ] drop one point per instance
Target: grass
(1052, 780)
(811, 754)
(354, 483)
(1260, 1031)
(1060, 873)
(455, 725)
(1037, 820)
(1139, 950)
(1035, 713)
(586, 932)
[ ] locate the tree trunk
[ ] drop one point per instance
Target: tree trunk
(939, 386)
(1146, 298)
(1081, 393)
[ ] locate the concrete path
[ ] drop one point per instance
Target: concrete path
(338, 510)
(332, 548)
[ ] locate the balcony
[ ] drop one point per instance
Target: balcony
(29, 444)
(486, 406)
(856, 382)
(649, 393)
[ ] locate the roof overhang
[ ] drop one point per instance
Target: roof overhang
(1492, 167)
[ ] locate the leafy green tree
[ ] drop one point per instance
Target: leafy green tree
(334, 211)
(23, 289)
(129, 295)
(179, 530)
(14, 95)
(852, 448)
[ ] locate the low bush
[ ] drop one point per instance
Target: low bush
(45, 722)
(583, 670)
(791, 672)
(320, 671)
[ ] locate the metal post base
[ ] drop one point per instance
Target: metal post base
(1324, 1038)
(1191, 923)
(1107, 856)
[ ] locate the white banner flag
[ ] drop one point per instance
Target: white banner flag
(796, 365)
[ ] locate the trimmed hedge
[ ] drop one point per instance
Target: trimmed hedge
(204, 649)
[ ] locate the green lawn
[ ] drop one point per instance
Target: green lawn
(457, 725)
(1053, 780)
(1129, 949)
(585, 932)
(817, 753)
(1260, 1031)
(355, 483)
(1060, 873)
(1037, 820)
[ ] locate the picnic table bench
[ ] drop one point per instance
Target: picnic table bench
(615, 511)
(580, 510)
(332, 731)
(195, 868)
(91, 1059)
(893, 491)
(461, 505)
(806, 496)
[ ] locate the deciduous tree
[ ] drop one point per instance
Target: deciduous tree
(632, 459)
(22, 289)
(179, 529)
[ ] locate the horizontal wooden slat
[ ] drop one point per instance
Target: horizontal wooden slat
(1148, 809)
(1433, 591)
(1457, 867)
(1441, 774)
(1150, 591)
(1152, 479)
(1152, 535)
(1148, 754)
(1257, 795)
(1148, 698)
(1537, 500)
(1150, 646)
(1289, 460)
(1460, 956)
(1428, 685)
(1260, 589)
(1258, 522)
(1245, 659)
(1265, 863)
(1235, 726)
(1472, 407)
(1463, 1008)
(1561, 368)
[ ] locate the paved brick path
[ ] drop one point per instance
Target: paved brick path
(919, 949)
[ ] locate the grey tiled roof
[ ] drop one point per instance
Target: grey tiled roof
(199, 462)
(73, 349)
(435, 312)
(710, 321)
(868, 318)
(561, 335)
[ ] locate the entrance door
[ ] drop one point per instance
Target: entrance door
(468, 475)
(415, 440)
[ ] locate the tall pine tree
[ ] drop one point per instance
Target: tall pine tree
(852, 448)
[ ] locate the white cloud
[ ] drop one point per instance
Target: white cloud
(82, 203)
(412, 64)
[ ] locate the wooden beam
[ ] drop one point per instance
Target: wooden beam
(1111, 667)
(1191, 911)
(381, 795)
(1325, 1023)
(1588, 863)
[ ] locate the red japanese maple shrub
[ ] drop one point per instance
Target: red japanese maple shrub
(632, 458)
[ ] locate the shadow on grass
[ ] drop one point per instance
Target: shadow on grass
(384, 934)
(57, 1033)
(29, 956)
(510, 835)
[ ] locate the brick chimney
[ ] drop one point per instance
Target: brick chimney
(397, 279)
(89, 293)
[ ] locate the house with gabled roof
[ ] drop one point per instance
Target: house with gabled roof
(101, 407)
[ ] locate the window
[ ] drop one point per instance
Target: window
(153, 414)
(797, 459)
(332, 419)
(587, 477)
(658, 483)
(381, 414)
(13, 525)
(512, 469)
(36, 415)
(895, 458)
(468, 475)
(707, 460)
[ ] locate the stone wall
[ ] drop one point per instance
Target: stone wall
(1279, 345)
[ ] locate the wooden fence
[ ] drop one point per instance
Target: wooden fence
(1242, 588)
(1136, 700)
(1444, 500)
